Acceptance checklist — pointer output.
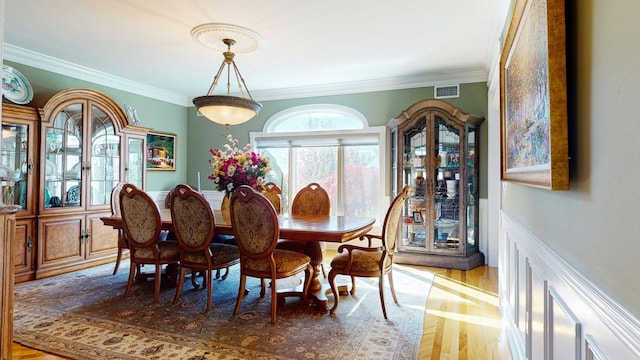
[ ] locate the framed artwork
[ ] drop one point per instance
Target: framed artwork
(161, 151)
(417, 217)
(534, 149)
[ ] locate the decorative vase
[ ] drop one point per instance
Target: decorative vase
(225, 207)
(226, 202)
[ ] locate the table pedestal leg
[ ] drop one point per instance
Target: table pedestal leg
(317, 290)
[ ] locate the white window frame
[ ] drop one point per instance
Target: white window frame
(334, 137)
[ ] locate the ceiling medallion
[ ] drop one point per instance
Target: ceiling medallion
(212, 36)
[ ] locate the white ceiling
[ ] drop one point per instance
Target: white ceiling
(311, 47)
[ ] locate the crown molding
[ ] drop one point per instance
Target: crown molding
(48, 63)
(399, 83)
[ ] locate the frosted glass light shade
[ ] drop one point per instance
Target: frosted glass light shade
(227, 110)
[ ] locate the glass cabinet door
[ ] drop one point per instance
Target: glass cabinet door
(472, 189)
(75, 169)
(415, 235)
(14, 166)
(135, 166)
(63, 159)
(105, 157)
(447, 234)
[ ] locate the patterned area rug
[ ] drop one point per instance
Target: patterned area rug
(83, 315)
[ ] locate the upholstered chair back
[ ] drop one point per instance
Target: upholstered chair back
(115, 198)
(273, 193)
(311, 200)
(140, 216)
(392, 222)
(192, 217)
(254, 222)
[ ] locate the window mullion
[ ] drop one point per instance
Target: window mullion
(341, 182)
(290, 178)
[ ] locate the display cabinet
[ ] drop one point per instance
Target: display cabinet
(87, 147)
(435, 151)
(18, 175)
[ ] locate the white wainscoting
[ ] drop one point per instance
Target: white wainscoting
(551, 311)
(214, 197)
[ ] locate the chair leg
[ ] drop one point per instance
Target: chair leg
(324, 273)
(208, 274)
(336, 295)
(226, 273)
(307, 283)
(243, 280)
(381, 288)
(353, 285)
(115, 270)
(263, 287)
(194, 283)
(393, 290)
(274, 300)
(156, 282)
(132, 273)
(183, 274)
(217, 273)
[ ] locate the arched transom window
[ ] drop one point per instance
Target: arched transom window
(331, 145)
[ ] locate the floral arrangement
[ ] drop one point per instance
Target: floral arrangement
(233, 167)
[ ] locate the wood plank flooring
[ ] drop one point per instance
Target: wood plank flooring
(461, 321)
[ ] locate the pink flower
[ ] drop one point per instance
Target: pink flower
(232, 167)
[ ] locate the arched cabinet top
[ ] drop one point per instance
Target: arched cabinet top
(423, 107)
(74, 95)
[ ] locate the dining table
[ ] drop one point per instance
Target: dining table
(311, 229)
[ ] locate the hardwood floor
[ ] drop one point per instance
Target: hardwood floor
(461, 321)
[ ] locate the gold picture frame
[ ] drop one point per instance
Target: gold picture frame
(533, 97)
(161, 151)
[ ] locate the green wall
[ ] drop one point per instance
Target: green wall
(202, 134)
(594, 226)
(378, 107)
(159, 115)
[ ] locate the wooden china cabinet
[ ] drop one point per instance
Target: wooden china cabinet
(87, 146)
(435, 151)
(18, 175)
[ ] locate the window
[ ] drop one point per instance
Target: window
(331, 145)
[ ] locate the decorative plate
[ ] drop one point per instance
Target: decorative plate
(15, 87)
(51, 170)
(73, 195)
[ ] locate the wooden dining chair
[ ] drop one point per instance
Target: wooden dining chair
(170, 235)
(370, 261)
(255, 225)
(194, 227)
(123, 244)
(310, 200)
(142, 226)
(273, 193)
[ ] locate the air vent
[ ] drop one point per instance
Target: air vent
(448, 91)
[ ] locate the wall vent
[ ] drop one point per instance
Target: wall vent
(447, 91)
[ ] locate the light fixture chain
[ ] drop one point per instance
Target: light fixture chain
(216, 78)
(241, 80)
